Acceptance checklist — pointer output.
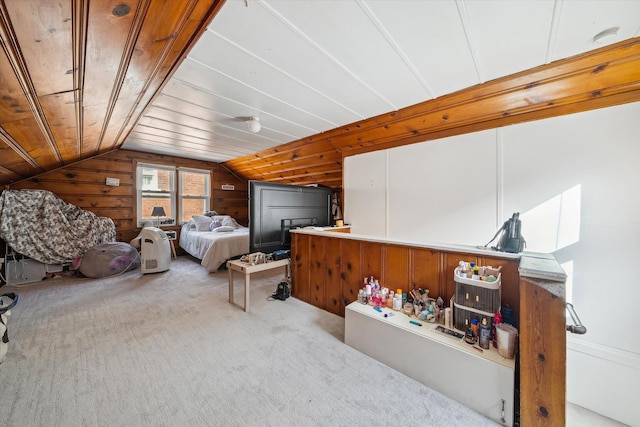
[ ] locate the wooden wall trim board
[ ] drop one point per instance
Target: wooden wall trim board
(600, 78)
(84, 184)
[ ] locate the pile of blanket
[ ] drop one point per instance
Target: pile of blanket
(40, 225)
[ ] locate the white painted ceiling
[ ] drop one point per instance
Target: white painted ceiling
(308, 66)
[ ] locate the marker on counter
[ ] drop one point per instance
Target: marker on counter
(388, 314)
(378, 309)
(413, 322)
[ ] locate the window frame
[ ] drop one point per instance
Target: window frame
(139, 192)
(181, 197)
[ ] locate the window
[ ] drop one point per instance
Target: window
(194, 193)
(156, 187)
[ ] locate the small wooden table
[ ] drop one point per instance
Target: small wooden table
(247, 269)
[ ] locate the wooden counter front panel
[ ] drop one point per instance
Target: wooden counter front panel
(333, 284)
(351, 273)
(328, 272)
(300, 263)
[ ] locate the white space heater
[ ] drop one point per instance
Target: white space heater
(155, 250)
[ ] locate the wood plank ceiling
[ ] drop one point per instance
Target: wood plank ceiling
(77, 75)
(81, 78)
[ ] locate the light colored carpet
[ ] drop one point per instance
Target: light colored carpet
(168, 349)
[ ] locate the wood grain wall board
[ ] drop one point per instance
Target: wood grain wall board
(332, 282)
(351, 274)
(14, 167)
(371, 260)
(542, 349)
(33, 141)
(79, 176)
(60, 112)
(299, 170)
(45, 43)
(95, 203)
(423, 269)
(296, 151)
(395, 273)
(300, 268)
(13, 104)
(71, 186)
(317, 270)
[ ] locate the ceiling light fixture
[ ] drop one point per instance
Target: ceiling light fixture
(605, 36)
(254, 124)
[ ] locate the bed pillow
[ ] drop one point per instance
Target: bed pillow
(202, 222)
(215, 224)
(224, 228)
(227, 220)
(210, 213)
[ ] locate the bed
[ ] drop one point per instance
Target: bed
(214, 240)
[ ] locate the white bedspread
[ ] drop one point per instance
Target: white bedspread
(214, 248)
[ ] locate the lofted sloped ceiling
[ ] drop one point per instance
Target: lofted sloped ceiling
(75, 76)
(325, 78)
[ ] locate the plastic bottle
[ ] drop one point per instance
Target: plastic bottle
(397, 302)
(485, 334)
(494, 337)
(475, 327)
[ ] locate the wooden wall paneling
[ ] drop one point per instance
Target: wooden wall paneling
(84, 184)
(301, 266)
(542, 349)
(395, 273)
(230, 202)
(510, 281)
(318, 264)
(156, 49)
(351, 274)
(371, 259)
(105, 68)
(424, 272)
(35, 147)
(14, 166)
(332, 280)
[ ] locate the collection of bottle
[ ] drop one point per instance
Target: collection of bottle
(416, 303)
(419, 304)
(472, 271)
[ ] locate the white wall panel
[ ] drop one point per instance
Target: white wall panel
(444, 191)
(365, 187)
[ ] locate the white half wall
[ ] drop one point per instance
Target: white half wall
(574, 179)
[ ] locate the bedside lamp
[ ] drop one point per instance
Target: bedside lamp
(158, 211)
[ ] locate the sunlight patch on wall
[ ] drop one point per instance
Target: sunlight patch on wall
(554, 224)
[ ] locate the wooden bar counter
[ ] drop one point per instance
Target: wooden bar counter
(328, 269)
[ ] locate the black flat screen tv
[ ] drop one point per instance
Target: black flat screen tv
(276, 208)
